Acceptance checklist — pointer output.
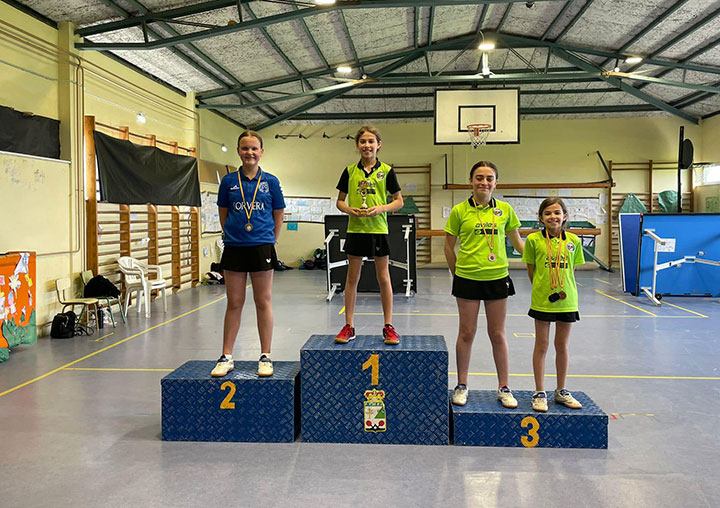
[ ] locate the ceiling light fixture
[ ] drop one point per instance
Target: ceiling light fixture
(223, 147)
(633, 59)
(141, 118)
(485, 65)
(344, 69)
(324, 2)
(486, 46)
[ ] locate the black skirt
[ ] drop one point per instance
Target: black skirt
(564, 317)
(482, 289)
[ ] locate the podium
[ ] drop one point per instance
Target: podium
(483, 421)
(369, 392)
(236, 407)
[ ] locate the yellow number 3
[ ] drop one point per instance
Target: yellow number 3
(534, 439)
(226, 403)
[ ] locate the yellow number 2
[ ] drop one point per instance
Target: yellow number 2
(227, 401)
(531, 422)
(374, 362)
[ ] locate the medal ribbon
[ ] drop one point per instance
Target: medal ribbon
(491, 240)
(556, 279)
(252, 205)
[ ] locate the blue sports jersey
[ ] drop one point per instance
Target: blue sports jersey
(269, 198)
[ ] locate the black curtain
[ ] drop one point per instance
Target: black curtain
(135, 175)
(29, 134)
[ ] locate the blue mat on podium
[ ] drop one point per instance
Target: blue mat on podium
(483, 421)
(237, 407)
(368, 392)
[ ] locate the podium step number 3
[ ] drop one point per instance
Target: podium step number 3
(484, 422)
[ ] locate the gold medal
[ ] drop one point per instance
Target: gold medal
(557, 270)
(492, 258)
(249, 226)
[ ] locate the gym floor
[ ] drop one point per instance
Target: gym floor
(81, 417)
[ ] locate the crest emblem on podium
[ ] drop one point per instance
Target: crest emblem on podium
(374, 416)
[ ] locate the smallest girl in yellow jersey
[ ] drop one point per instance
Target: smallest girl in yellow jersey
(551, 256)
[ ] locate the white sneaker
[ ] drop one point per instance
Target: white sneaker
(223, 366)
(459, 396)
(265, 366)
(539, 402)
(505, 396)
(565, 398)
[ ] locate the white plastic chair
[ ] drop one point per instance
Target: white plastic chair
(137, 279)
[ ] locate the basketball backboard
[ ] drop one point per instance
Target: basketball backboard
(456, 109)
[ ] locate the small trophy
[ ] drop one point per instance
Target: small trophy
(363, 190)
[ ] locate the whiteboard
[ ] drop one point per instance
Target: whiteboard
(309, 209)
(37, 197)
(589, 209)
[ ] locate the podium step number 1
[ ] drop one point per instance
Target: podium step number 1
(369, 392)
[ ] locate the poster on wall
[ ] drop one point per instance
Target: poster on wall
(17, 301)
(309, 209)
(209, 213)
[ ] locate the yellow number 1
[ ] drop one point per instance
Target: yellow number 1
(374, 362)
(531, 422)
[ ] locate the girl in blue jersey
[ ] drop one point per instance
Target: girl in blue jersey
(250, 205)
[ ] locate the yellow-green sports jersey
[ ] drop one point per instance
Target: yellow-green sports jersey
(536, 254)
(473, 259)
(376, 191)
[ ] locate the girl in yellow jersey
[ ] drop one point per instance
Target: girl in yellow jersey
(480, 273)
(551, 256)
(366, 185)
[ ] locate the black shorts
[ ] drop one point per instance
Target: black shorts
(564, 317)
(258, 258)
(367, 244)
(482, 289)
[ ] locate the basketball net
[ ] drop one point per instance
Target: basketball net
(478, 133)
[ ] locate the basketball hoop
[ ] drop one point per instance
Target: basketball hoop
(478, 133)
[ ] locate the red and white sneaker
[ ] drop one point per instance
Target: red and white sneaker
(390, 335)
(346, 335)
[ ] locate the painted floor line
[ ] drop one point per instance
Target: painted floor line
(101, 338)
(604, 376)
(489, 374)
(449, 314)
(26, 383)
(108, 369)
(342, 310)
(626, 303)
(604, 282)
(686, 310)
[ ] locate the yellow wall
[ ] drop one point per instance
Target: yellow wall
(40, 74)
(550, 151)
(710, 140)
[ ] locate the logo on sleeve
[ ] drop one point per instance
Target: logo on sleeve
(264, 187)
(571, 247)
